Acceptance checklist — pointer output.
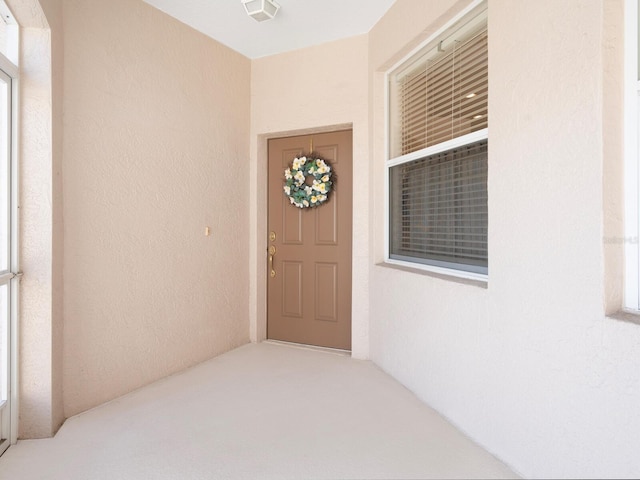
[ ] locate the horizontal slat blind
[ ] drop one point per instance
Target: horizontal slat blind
(444, 96)
(438, 209)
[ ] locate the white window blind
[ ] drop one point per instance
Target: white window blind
(443, 94)
(437, 182)
(438, 212)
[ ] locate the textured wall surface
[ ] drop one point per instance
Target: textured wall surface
(300, 92)
(41, 322)
(529, 366)
(53, 9)
(36, 383)
(156, 132)
(613, 143)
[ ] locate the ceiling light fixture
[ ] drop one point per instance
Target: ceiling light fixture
(261, 10)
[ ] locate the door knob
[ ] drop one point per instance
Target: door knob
(272, 252)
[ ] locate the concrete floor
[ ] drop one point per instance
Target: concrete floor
(259, 412)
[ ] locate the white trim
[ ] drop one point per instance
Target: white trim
(631, 171)
(440, 147)
(15, 256)
(8, 67)
(449, 272)
(11, 279)
(8, 64)
(7, 16)
(13, 45)
(5, 279)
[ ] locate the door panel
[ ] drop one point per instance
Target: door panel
(309, 298)
(326, 223)
(292, 228)
(326, 300)
(292, 291)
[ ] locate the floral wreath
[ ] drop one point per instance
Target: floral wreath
(296, 188)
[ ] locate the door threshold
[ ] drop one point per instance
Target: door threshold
(333, 351)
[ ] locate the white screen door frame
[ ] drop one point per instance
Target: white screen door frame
(9, 267)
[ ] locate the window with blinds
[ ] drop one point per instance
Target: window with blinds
(438, 151)
(438, 212)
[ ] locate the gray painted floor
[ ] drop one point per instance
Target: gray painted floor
(261, 411)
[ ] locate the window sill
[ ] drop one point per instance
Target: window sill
(448, 275)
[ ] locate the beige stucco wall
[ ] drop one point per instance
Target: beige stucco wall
(156, 128)
(309, 90)
(53, 11)
(529, 366)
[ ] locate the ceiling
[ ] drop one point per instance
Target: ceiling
(298, 24)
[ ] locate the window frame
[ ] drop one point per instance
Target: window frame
(474, 6)
(632, 158)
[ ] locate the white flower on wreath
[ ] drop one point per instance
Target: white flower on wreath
(321, 187)
(287, 174)
(299, 162)
(287, 190)
(299, 177)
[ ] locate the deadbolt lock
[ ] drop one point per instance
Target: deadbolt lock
(272, 250)
(272, 236)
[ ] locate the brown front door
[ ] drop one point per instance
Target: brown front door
(309, 298)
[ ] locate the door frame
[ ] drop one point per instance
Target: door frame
(259, 240)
